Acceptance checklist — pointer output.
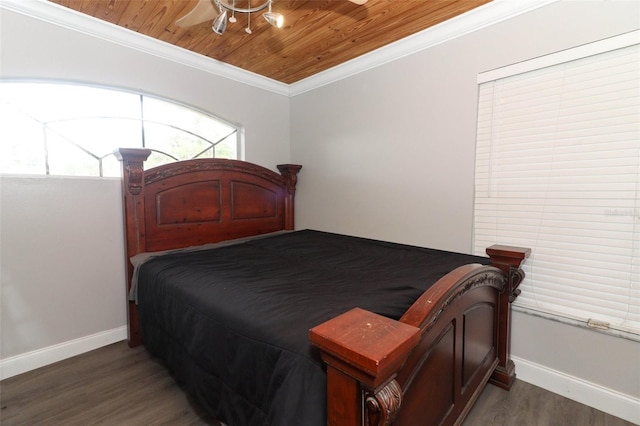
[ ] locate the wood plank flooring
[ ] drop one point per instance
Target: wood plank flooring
(116, 385)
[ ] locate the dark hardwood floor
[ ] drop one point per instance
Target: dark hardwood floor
(116, 385)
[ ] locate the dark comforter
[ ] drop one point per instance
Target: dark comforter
(233, 323)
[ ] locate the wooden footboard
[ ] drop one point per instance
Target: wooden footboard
(431, 365)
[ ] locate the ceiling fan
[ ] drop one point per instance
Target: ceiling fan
(217, 11)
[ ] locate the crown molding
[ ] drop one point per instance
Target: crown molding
(70, 19)
(481, 17)
(476, 19)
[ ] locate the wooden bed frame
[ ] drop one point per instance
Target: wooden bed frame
(428, 367)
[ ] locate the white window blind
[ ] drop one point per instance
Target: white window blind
(558, 170)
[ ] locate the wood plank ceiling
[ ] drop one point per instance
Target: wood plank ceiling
(317, 34)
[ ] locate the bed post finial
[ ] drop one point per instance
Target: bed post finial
(133, 206)
(290, 174)
(508, 259)
(382, 407)
(363, 352)
(132, 170)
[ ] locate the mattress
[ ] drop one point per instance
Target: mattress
(232, 323)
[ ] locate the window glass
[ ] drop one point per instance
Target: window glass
(65, 129)
(21, 142)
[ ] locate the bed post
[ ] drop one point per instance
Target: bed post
(508, 259)
(363, 352)
(290, 173)
(133, 205)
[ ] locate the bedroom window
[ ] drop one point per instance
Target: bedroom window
(558, 170)
(66, 129)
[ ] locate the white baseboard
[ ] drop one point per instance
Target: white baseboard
(615, 403)
(22, 363)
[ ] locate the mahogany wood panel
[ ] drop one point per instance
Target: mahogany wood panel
(317, 34)
(479, 342)
(184, 204)
(251, 201)
(233, 205)
(432, 393)
(470, 293)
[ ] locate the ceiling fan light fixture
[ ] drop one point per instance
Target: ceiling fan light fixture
(275, 19)
(220, 23)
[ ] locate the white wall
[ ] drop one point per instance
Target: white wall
(389, 153)
(393, 147)
(61, 263)
(62, 260)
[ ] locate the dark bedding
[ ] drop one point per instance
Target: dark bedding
(233, 323)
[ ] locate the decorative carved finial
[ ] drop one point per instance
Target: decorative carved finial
(509, 259)
(290, 173)
(383, 406)
(135, 177)
(516, 275)
(132, 160)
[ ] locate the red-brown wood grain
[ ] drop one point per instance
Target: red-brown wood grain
(197, 202)
(317, 34)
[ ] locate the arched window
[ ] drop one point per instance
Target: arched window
(67, 129)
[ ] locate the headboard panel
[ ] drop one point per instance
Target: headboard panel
(218, 203)
(200, 201)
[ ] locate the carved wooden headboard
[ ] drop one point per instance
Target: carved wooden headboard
(200, 201)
